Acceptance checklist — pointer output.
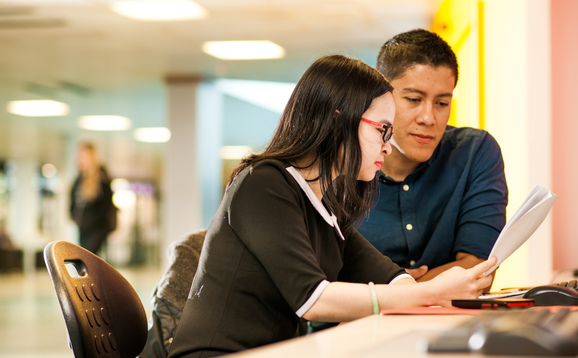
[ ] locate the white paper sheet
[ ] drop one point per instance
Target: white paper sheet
(523, 223)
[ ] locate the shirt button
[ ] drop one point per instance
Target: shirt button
(409, 226)
(405, 187)
(412, 262)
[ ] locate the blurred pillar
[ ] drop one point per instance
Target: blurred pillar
(181, 195)
(192, 165)
(24, 209)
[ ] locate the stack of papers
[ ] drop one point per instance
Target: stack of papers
(511, 293)
(523, 224)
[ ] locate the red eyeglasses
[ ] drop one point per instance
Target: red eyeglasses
(387, 129)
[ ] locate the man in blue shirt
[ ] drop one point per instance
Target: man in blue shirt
(442, 191)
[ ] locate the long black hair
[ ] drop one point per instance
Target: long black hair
(323, 114)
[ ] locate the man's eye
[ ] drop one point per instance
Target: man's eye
(412, 99)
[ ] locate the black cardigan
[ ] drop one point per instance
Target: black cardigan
(266, 252)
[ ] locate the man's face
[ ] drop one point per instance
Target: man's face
(423, 97)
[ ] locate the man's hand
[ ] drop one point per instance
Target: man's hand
(418, 272)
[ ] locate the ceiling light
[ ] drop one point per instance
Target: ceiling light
(104, 123)
(160, 10)
(243, 50)
(152, 135)
(38, 108)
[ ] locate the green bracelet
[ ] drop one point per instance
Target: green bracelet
(374, 298)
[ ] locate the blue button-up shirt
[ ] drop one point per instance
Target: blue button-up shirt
(454, 202)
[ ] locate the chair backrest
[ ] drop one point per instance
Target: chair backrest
(104, 315)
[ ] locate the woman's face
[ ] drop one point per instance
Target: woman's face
(373, 148)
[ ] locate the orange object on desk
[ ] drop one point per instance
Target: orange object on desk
(431, 310)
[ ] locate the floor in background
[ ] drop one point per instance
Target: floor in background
(31, 323)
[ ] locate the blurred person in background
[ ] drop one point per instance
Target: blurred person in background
(91, 205)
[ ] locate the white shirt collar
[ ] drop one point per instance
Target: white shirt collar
(330, 218)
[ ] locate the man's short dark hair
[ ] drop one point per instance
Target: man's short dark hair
(415, 47)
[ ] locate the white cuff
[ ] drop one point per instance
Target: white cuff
(400, 277)
(312, 299)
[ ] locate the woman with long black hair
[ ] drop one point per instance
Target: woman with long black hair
(282, 246)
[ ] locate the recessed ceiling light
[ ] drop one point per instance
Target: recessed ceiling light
(104, 123)
(243, 50)
(38, 108)
(152, 134)
(160, 10)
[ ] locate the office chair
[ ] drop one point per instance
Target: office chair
(104, 316)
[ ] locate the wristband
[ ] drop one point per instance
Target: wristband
(374, 298)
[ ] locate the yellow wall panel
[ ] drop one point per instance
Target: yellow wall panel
(497, 67)
(457, 23)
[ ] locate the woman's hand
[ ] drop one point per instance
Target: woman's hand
(343, 301)
(460, 283)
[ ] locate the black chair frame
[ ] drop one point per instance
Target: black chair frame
(104, 315)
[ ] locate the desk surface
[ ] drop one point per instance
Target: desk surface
(374, 336)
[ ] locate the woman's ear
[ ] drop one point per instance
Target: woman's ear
(336, 113)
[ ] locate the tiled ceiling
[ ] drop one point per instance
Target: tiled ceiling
(79, 50)
(78, 45)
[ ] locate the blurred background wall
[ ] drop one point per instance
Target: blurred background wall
(516, 75)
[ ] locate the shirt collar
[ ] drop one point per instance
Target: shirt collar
(330, 218)
(422, 165)
(419, 168)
